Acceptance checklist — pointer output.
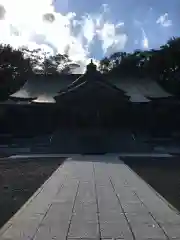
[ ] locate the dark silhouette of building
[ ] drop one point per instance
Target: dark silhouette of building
(93, 100)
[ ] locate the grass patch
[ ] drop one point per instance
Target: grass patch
(19, 179)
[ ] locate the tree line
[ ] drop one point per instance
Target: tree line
(163, 65)
(17, 65)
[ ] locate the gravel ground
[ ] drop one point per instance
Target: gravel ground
(162, 174)
(19, 179)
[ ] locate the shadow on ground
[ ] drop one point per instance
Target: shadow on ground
(19, 179)
(163, 174)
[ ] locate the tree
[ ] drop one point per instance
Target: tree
(49, 67)
(56, 64)
(14, 70)
(161, 64)
(35, 56)
(104, 65)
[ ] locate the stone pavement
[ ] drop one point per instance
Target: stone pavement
(90, 198)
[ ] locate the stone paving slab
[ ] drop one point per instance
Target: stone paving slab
(93, 198)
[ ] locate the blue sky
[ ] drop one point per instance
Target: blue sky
(88, 29)
(136, 14)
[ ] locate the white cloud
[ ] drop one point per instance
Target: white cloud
(145, 41)
(120, 24)
(36, 24)
(111, 40)
(164, 20)
(88, 28)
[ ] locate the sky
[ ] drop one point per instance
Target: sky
(88, 29)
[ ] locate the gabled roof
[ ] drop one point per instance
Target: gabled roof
(91, 91)
(98, 79)
(139, 90)
(75, 83)
(88, 86)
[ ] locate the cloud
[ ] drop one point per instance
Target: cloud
(164, 21)
(88, 28)
(2, 12)
(36, 24)
(111, 40)
(145, 41)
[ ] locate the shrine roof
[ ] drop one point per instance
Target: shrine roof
(139, 90)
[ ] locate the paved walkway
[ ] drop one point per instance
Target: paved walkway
(76, 156)
(94, 197)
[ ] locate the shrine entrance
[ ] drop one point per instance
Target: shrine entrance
(89, 106)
